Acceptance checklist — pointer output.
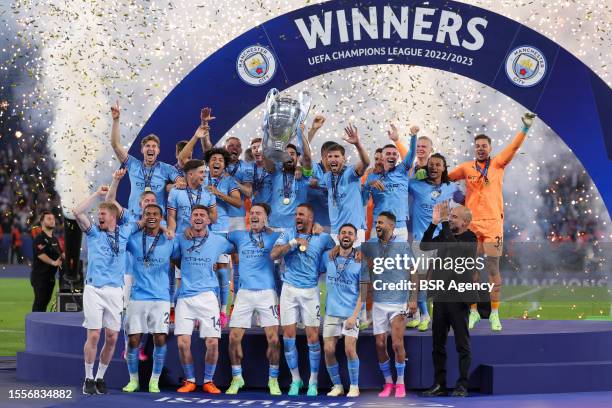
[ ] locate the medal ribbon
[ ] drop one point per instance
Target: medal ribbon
(197, 201)
(257, 182)
(113, 242)
(346, 262)
(196, 244)
(334, 181)
(148, 175)
(483, 173)
(212, 181)
(234, 169)
(287, 181)
(147, 253)
(259, 241)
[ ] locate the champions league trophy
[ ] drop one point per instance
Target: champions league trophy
(281, 122)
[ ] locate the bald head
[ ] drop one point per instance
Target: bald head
(460, 219)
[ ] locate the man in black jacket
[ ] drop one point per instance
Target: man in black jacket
(451, 306)
(47, 259)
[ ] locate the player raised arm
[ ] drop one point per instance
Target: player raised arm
(317, 123)
(120, 151)
(506, 155)
(202, 134)
(306, 158)
(407, 156)
(352, 137)
(111, 194)
(79, 211)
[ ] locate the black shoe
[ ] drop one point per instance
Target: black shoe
(89, 387)
(460, 391)
(101, 386)
(436, 391)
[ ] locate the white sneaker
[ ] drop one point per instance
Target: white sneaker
(336, 391)
(353, 391)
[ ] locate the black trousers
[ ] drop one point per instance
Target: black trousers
(43, 290)
(445, 316)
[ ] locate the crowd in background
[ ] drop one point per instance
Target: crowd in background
(26, 190)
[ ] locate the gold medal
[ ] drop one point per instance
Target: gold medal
(261, 244)
(148, 188)
(286, 200)
(303, 248)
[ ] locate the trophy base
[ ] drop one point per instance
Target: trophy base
(276, 155)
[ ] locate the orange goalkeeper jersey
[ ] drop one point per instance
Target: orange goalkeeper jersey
(486, 200)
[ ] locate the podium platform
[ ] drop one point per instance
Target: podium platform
(528, 356)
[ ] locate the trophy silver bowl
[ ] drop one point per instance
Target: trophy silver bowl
(282, 119)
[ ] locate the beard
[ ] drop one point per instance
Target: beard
(346, 244)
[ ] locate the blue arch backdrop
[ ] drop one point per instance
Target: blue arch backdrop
(446, 35)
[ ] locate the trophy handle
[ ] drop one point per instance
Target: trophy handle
(304, 100)
(270, 100)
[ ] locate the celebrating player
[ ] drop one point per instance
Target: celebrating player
(344, 186)
(389, 188)
(146, 175)
(180, 201)
(389, 308)
(288, 191)
(146, 198)
(103, 293)
(149, 308)
(241, 172)
(317, 197)
(484, 179)
(342, 307)
(302, 251)
(197, 297)
(257, 295)
(262, 178)
(226, 193)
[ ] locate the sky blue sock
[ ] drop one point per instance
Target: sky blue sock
(224, 283)
(209, 372)
(236, 371)
(132, 360)
(273, 371)
(385, 368)
(159, 356)
(353, 369)
(290, 352)
(423, 308)
(314, 357)
(422, 303)
(334, 374)
(399, 367)
(189, 372)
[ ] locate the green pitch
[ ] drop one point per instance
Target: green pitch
(16, 298)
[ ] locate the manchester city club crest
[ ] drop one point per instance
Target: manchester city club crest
(525, 66)
(256, 65)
